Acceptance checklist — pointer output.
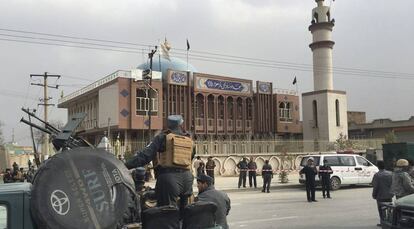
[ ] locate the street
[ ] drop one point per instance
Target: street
(350, 207)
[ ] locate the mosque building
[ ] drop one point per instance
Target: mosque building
(214, 107)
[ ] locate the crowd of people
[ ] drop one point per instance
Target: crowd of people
(17, 174)
(387, 184)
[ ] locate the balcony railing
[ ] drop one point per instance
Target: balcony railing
(220, 126)
(248, 125)
(230, 126)
(199, 124)
(239, 126)
(210, 124)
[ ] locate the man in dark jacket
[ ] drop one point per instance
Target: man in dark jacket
(210, 165)
(252, 166)
(381, 183)
(267, 174)
(172, 182)
(207, 192)
(402, 184)
(242, 166)
(310, 172)
(8, 177)
(325, 172)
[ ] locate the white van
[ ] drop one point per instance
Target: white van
(348, 169)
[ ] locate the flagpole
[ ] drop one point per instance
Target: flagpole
(297, 90)
(188, 48)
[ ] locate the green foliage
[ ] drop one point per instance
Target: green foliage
(343, 143)
(283, 177)
(390, 137)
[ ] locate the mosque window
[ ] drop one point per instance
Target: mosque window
(285, 112)
(338, 121)
(142, 102)
(315, 113)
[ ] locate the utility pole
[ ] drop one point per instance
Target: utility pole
(45, 100)
(150, 55)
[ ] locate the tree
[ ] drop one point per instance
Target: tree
(343, 143)
(390, 137)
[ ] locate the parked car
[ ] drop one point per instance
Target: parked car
(398, 215)
(347, 169)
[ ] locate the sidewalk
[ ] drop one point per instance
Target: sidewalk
(229, 184)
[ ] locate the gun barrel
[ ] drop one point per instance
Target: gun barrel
(48, 126)
(36, 126)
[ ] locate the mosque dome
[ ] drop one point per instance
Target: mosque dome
(162, 64)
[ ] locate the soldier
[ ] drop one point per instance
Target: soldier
(207, 192)
(267, 174)
(196, 164)
(252, 166)
(210, 165)
(310, 172)
(171, 152)
(325, 172)
(402, 184)
(242, 166)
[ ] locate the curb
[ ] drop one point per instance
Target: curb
(275, 187)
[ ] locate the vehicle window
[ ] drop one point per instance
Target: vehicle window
(305, 159)
(332, 160)
(3, 217)
(347, 160)
(363, 161)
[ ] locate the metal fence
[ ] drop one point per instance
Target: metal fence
(265, 147)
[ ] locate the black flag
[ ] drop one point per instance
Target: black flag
(188, 45)
(294, 81)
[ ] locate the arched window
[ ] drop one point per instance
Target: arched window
(285, 111)
(338, 120)
(315, 113)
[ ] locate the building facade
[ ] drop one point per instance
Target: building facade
(379, 128)
(214, 107)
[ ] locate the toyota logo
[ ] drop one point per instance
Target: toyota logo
(60, 202)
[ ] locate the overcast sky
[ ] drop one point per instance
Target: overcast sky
(374, 35)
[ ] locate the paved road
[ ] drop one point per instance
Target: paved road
(287, 208)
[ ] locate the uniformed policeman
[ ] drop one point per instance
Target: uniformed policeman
(210, 165)
(171, 153)
(310, 172)
(267, 174)
(242, 166)
(325, 172)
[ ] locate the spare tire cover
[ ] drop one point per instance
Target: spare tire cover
(81, 188)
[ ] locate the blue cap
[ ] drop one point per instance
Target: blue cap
(174, 121)
(205, 179)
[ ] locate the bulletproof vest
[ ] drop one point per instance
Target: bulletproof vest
(178, 152)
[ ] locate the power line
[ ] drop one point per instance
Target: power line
(202, 52)
(235, 60)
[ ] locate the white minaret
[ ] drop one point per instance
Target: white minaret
(324, 109)
(322, 46)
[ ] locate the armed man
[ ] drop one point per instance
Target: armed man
(171, 153)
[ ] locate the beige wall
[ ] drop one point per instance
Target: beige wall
(108, 106)
(326, 112)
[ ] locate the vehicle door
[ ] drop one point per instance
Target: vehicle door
(366, 171)
(338, 169)
(348, 169)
